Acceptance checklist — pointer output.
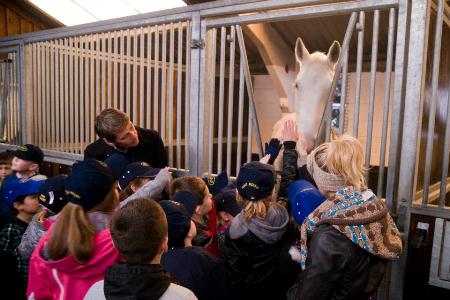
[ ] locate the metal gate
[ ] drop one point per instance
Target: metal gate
(184, 73)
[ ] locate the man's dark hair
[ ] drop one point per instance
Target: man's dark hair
(138, 230)
(110, 122)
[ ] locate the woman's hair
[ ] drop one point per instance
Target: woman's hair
(73, 234)
(344, 157)
(195, 185)
(257, 208)
(128, 191)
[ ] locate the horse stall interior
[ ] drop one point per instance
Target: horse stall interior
(213, 79)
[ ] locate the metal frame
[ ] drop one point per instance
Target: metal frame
(440, 257)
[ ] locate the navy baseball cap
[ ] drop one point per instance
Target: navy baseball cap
(29, 152)
(187, 199)
(52, 194)
(118, 164)
(137, 170)
(19, 188)
(216, 183)
(178, 221)
(304, 198)
(88, 183)
(255, 180)
(226, 201)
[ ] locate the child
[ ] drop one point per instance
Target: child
(22, 198)
(193, 267)
(52, 197)
(204, 215)
(5, 165)
(25, 164)
(139, 180)
(139, 232)
(257, 242)
(347, 240)
(227, 208)
(71, 258)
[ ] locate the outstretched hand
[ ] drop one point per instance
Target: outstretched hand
(289, 133)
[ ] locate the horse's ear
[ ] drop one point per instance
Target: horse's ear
(301, 52)
(333, 53)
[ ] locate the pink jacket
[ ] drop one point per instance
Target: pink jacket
(66, 278)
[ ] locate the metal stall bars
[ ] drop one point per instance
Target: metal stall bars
(74, 78)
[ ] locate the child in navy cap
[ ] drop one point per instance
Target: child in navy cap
(52, 197)
(140, 180)
(227, 208)
(22, 198)
(192, 266)
(257, 242)
(78, 246)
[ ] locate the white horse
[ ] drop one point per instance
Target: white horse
(312, 87)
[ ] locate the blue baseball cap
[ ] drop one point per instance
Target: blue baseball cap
(216, 183)
(19, 188)
(304, 198)
(187, 199)
(255, 180)
(137, 170)
(118, 164)
(88, 183)
(178, 222)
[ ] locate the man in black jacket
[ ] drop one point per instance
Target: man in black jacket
(118, 134)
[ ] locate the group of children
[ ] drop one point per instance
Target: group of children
(121, 230)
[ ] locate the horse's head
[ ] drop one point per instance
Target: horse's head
(312, 86)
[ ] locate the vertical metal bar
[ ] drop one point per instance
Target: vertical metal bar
(373, 77)
(82, 99)
(47, 96)
(141, 79)
(35, 94)
(58, 78)
(38, 82)
(14, 99)
(240, 115)
(128, 72)
(387, 93)
(212, 98)
(92, 89)
(60, 100)
(445, 157)
(116, 64)
(223, 34)
(163, 82)
(343, 92)
(134, 101)
(104, 75)
(187, 94)
(249, 135)
(97, 88)
(51, 116)
(179, 89)
(121, 85)
(108, 83)
(149, 80)
(434, 94)
(230, 98)
(412, 84)
(249, 85)
(71, 100)
(170, 92)
(76, 99)
(86, 106)
(66, 96)
(359, 62)
(156, 80)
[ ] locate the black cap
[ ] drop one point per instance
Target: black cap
(216, 183)
(187, 199)
(29, 152)
(88, 183)
(52, 194)
(178, 221)
(137, 170)
(118, 163)
(226, 201)
(255, 180)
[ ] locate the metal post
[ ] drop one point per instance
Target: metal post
(358, 73)
(179, 89)
(212, 82)
(223, 34)
(230, 98)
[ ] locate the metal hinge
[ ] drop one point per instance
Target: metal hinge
(197, 44)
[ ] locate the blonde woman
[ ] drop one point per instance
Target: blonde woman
(257, 242)
(347, 240)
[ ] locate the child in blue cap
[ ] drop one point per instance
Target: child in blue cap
(22, 199)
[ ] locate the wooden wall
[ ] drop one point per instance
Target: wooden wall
(19, 16)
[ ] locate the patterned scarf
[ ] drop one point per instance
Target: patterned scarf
(361, 217)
